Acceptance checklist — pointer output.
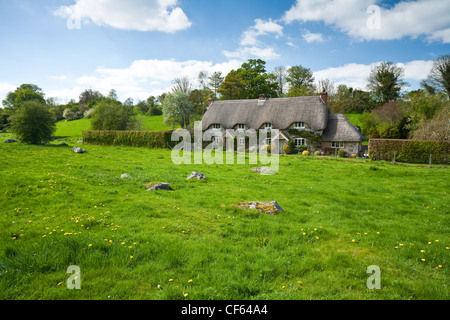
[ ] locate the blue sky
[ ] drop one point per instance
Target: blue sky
(137, 47)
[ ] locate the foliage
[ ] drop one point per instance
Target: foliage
(439, 77)
(305, 153)
(290, 148)
(232, 87)
(22, 94)
(300, 80)
(178, 108)
(412, 151)
(145, 139)
(112, 115)
(342, 153)
(33, 123)
(385, 80)
(349, 100)
(437, 128)
(215, 82)
(256, 80)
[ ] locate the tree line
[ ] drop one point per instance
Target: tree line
(386, 110)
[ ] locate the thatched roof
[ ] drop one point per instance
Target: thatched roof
(340, 129)
(280, 112)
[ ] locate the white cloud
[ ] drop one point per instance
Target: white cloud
(141, 15)
(5, 88)
(245, 53)
(148, 77)
(252, 47)
(407, 18)
(355, 75)
(261, 28)
(63, 77)
(313, 37)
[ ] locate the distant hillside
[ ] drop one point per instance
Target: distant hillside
(73, 129)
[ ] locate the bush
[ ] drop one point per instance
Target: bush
(305, 153)
(267, 148)
(342, 153)
(412, 151)
(317, 153)
(112, 115)
(33, 123)
(290, 148)
(146, 139)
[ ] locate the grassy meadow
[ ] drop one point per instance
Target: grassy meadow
(195, 242)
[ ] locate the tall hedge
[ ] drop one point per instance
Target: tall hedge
(411, 151)
(146, 139)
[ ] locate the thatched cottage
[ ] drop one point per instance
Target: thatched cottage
(304, 120)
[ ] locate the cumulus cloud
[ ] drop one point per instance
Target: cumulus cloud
(245, 53)
(5, 88)
(141, 15)
(149, 77)
(427, 18)
(313, 37)
(355, 75)
(261, 28)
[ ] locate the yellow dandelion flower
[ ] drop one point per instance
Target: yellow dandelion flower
(436, 240)
(170, 280)
(353, 240)
(429, 242)
(131, 257)
(283, 287)
(190, 281)
(440, 266)
(423, 260)
(423, 251)
(59, 283)
(185, 294)
(90, 245)
(401, 244)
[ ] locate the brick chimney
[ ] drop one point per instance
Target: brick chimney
(262, 99)
(324, 96)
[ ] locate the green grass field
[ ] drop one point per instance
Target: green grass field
(61, 209)
(71, 130)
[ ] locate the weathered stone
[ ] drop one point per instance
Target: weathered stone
(196, 175)
(268, 207)
(78, 150)
(10, 141)
(160, 186)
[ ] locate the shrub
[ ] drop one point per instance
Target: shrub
(305, 153)
(317, 153)
(342, 153)
(290, 148)
(33, 123)
(412, 151)
(267, 148)
(147, 139)
(112, 115)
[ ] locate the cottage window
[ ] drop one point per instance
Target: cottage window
(268, 142)
(216, 140)
(216, 126)
(300, 142)
(241, 126)
(337, 145)
(268, 126)
(299, 125)
(242, 141)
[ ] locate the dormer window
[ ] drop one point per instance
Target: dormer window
(216, 126)
(299, 125)
(268, 126)
(241, 126)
